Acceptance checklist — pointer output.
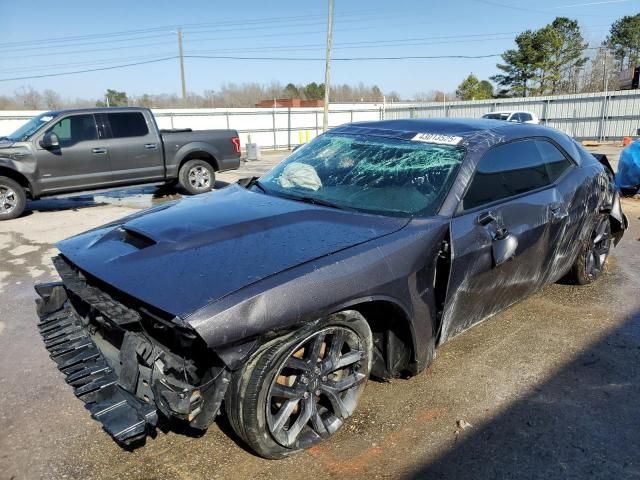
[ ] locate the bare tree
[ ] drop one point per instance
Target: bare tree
(52, 100)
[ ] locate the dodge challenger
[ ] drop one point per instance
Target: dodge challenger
(276, 298)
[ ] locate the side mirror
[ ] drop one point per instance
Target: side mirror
(504, 248)
(50, 141)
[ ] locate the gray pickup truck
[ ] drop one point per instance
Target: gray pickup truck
(89, 149)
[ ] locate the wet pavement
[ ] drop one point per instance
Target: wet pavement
(547, 389)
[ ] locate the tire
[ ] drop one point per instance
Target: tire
(13, 199)
(196, 176)
(282, 401)
(594, 253)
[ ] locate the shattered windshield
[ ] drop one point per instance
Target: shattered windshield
(387, 176)
(29, 128)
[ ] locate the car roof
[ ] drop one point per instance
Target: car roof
(461, 127)
(502, 112)
(94, 110)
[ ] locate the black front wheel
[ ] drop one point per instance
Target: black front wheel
(298, 390)
(592, 258)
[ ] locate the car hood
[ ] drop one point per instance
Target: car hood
(182, 256)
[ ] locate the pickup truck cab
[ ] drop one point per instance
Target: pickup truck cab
(90, 149)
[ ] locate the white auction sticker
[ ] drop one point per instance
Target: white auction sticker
(437, 138)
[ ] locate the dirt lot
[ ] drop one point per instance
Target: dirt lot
(547, 389)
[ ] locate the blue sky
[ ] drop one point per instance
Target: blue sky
(31, 41)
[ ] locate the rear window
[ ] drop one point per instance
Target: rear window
(127, 124)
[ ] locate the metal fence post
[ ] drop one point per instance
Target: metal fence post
(316, 115)
(351, 116)
(602, 117)
(275, 139)
(227, 115)
(289, 128)
(171, 117)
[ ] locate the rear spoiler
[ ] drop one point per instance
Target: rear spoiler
(602, 158)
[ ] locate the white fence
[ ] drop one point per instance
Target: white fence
(585, 116)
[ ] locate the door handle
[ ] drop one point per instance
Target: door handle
(150, 146)
(99, 151)
(486, 218)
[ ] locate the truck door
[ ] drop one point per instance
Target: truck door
(135, 148)
(80, 162)
(501, 236)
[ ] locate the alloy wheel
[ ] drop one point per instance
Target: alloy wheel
(200, 178)
(599, 249)
(316, 388)
(8, 200)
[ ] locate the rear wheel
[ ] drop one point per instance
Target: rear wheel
(13, 199)
(593, 256)
(299, 390)
(197, 176)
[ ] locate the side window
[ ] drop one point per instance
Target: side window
(505, 171)
(75, 129)
(525, 117)
(554, 159)
(127, 124)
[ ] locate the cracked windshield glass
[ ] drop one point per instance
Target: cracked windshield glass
(386, 176)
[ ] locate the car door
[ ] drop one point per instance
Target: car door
(134, 147)
(506, 205)
(81, 160)
(566, 215)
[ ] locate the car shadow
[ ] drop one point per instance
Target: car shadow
(584, 422)
(144, 196)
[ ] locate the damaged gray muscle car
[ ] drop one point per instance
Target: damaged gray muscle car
(276, 298)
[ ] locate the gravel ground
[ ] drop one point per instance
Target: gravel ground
(547, 389)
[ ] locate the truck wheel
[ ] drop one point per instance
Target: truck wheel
(197, 176)
(13, 199)
(298, 390)
(594, 253)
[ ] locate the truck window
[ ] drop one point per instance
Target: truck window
(127, 124)
(75, 129)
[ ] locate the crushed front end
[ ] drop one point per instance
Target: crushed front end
(131, 365)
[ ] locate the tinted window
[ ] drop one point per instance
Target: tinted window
(75, 129)
(516, 117)
(127, 124)
(525, 117)
(506, 171)
(556, 162)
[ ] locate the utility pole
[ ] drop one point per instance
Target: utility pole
(604, 72)
(184, 86)
(327, 69)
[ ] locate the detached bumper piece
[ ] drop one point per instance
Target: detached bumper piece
(125, 417)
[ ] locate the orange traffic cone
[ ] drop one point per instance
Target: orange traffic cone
(626, 141)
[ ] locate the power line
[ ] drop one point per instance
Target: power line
(229, 57)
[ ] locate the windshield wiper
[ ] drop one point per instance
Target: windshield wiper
(316, 201)
(257, 183)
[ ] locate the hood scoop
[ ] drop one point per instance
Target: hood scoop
(134, 237)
